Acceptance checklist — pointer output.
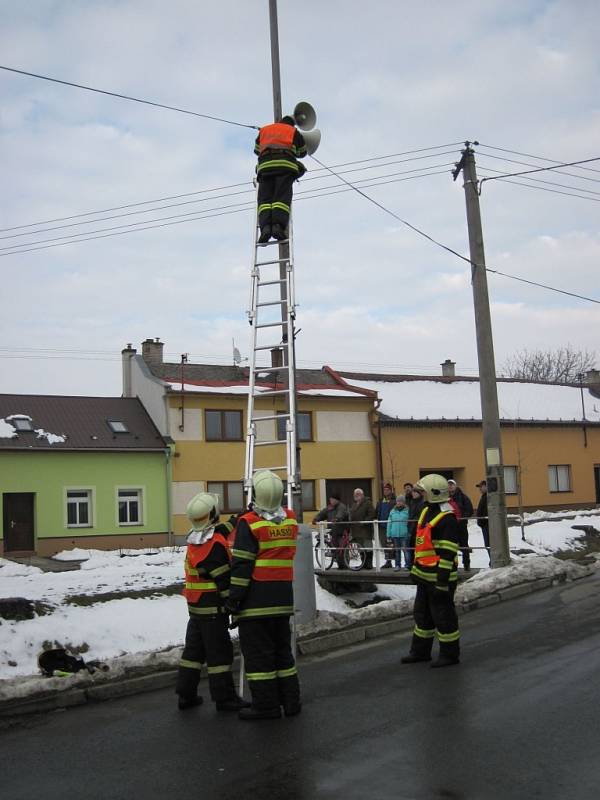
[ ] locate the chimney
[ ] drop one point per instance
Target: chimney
(448, 368)
(126, 355)
(152, 352)
(277, 357)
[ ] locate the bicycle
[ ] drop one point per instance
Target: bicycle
(352, 554)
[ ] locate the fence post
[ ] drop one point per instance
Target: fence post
(322, 528)
(376, 551)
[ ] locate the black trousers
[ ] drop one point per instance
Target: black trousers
(207, 641)
(435, 615)
(275, 198)
(266, 645)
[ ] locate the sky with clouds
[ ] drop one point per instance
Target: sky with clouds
(521, 77)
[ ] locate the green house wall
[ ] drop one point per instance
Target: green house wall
(49, 475)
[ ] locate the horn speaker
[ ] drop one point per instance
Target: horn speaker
(312, 140)
(305, 116)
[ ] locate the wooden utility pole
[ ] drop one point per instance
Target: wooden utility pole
(500, 552)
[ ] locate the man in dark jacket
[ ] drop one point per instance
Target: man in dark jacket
(415, 505)
(465, 507)
(362, 511)
(337, 515)
(434, 572)
(482, 515)
(277, 146)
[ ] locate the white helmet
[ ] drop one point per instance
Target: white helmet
(203, 510)
(435, 488)
(268, 490)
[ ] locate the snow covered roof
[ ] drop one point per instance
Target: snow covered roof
(75, 423)
(459, 399)
(242, 389)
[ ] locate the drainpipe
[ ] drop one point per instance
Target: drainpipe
(379, 448)
(169, 478)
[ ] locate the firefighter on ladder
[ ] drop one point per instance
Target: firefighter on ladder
(277, 146)
(207, 573)
(434, 571)
(261, 599)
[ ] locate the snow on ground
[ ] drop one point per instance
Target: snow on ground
(140, 626)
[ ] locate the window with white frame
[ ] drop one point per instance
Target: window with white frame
(130, 506)
(79, 508)
(511, 480)
(559, 477)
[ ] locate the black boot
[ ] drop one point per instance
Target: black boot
(232, 704)
(278, 232)
(413, 658)
(259, 713)
(292, 709)
(265, 234)
(189, 702)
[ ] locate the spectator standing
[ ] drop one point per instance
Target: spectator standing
(397, 531)
(415, 506)
(482, 516)
(408, 487)
(465, 506)
(382, 512)
(337, 515)
(362, 511)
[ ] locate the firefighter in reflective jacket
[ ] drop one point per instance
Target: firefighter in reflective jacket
(261, 598)
(435, 573)
(277, 146)
(207, 573)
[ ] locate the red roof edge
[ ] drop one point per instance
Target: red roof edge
(348, 386)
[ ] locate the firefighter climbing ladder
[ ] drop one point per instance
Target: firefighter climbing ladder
(272, 290)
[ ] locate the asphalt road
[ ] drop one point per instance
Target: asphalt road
(517, 719)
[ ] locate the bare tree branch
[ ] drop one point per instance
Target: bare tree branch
(563, 365)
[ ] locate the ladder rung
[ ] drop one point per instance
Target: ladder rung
(271, 242)
(271, 392)
(270, 416)
(272, 469)
(274, 441)
(270, 369)
(272, 324)
(270, 347)
(272, 283)
(274, 261)
(272, 303)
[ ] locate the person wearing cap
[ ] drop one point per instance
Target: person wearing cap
(415, 506)
(206, 590)
(278, 146)
(482, 515)
(262, 601)
(337, 515)
(362, 511)
(465, 508)
(434, 571)
(382, 513)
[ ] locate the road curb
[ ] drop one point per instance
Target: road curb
(312, 644)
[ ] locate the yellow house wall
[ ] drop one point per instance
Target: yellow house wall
(407, 450)
(197, 460)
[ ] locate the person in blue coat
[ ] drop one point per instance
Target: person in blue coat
(397, 531)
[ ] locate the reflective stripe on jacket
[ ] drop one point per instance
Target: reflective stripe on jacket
(197, 582)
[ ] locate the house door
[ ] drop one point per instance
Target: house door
(18, 521)
(597, 481)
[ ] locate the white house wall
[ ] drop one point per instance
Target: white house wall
(343, 426)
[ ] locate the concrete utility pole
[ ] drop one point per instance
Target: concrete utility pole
(284, 249)
(500, 553)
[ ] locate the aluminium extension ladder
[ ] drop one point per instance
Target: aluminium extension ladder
(272, 314)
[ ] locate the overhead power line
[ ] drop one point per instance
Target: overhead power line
(538, 169)
(530, 155)
(573, 193)
(128, 97)
(450, 250)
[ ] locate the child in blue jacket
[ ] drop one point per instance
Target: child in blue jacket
(397, 531)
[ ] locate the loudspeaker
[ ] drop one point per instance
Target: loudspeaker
(312, 139)
(305, 116)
